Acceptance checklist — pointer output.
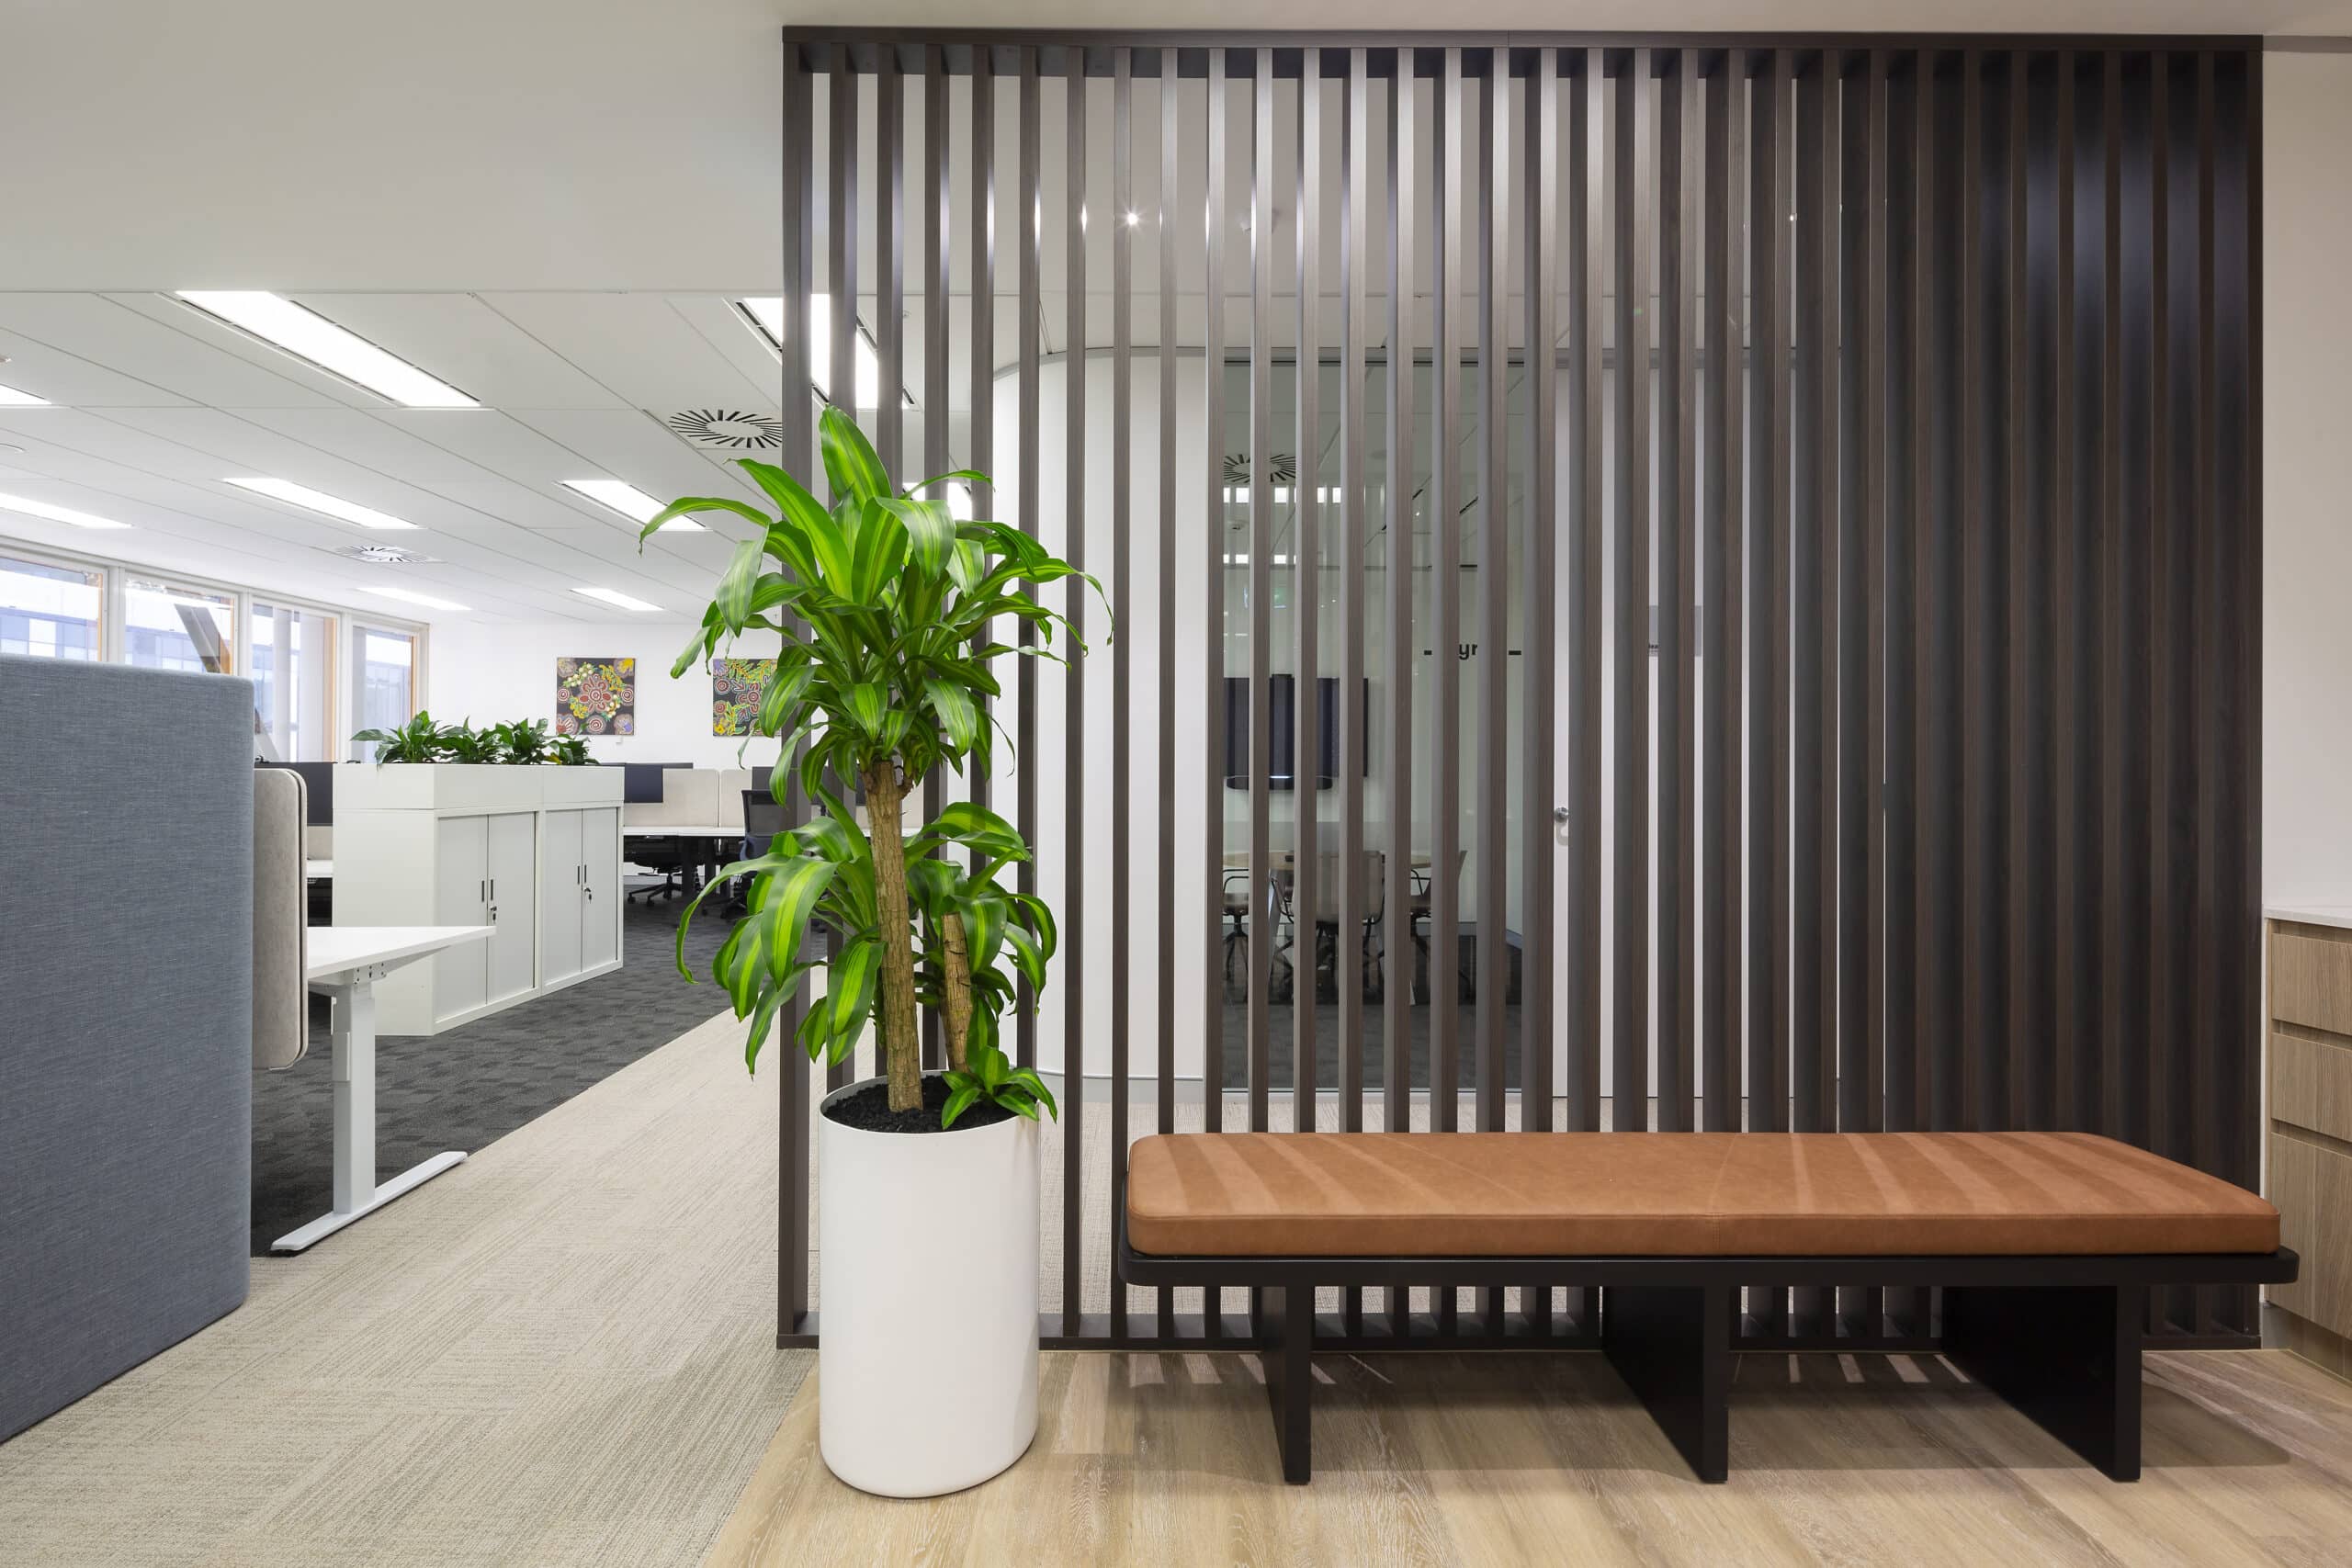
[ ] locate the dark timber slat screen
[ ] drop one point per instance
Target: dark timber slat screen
(1777, 516)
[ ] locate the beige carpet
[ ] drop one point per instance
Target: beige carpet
(560, 1352)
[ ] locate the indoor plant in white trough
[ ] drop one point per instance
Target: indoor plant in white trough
(887, 609)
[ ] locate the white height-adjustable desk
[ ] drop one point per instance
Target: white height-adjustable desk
(345, 961)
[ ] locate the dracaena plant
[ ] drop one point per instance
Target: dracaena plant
(887, 609)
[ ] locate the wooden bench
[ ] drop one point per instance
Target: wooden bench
(2045, 1245)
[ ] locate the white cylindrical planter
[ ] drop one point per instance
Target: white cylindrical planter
(927, 1328)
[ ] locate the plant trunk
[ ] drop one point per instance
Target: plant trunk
(959, 962)
(895, 1020)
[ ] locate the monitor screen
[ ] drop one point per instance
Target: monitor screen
(1282, 690)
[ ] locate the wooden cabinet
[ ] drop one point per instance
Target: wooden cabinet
(2309, 1038)
(534, 852)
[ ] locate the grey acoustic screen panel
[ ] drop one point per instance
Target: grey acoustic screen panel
(126, 1020)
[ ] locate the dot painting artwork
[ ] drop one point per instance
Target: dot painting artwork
(595, 696)
(737, 686)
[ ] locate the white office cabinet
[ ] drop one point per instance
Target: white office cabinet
(580, 914)
(532, 851)
(600, 879)
(461, 898)
(512, 864)
(561, 901)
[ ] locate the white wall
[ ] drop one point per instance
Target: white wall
(2307, 528)
(488, 673)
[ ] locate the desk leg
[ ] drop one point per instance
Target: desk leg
(356, 1192)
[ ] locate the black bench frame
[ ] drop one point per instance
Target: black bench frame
(2059, 1337)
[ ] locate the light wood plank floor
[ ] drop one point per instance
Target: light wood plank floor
(1505, 1459)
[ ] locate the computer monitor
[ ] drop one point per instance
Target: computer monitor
(317, 786)
(1283, 693)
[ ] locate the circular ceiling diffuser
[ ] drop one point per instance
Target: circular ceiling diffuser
(381, 555)
(728, 427)
(1283, 468)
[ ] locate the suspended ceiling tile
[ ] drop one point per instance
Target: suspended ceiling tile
(467, 344)
(133, 339)
(636, 346)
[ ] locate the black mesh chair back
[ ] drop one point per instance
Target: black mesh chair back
(762, 820)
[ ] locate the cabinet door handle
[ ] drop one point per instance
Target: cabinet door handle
(493, 887)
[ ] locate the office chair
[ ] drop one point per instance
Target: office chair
(762, 820)
(667, 856)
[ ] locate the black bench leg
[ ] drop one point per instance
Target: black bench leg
(1288, 1314)
(2066, 1356)
(1672, 1345)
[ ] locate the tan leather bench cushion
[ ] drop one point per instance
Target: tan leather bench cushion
(1675, 1194)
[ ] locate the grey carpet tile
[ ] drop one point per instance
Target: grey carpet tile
(470, 1086)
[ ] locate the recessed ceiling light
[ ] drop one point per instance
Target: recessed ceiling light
(11, 399)
(632, 502)
(767, 314)
(405, 597)
(56, 514)
(306, 334)
(319, 501)
(615, 596)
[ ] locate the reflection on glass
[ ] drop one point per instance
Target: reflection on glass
(1399, 948)
(166, 627)
(293, 671)
(50, 612)
(387, 661)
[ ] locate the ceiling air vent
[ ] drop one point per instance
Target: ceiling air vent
(729, 428)
(381, 555)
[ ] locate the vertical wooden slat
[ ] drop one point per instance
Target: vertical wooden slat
(1445, 605)
(1493, 568)
(1853, 804)
(1306, 594)
(1813, 662)
(1590, 262)
(1724, 640)
(1978, 974)
(2076, 1047)
(795, 400)
(937, 203)
(2211, 1026)
(890, 259)
(1396, 948)
(840, 381)
(1445, 611)
(2031, 1058)
(2165, 637)
(1634, 224)
(1812, 436)
(1539, 228)
(1678, 313)
(2241, 911)
(1930, 782)
(1164, 529)
(1873, 802)
(1261, 579)
(1028, 767)
(1122, 278)
(1354, 896)
(1213, 641)
(1073, 759)
(2110, 572)
(982, 365)
(1770, 237)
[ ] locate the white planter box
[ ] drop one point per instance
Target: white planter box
(920, 1229)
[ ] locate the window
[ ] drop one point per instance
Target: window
(169, 627)
(293, 671)
(51, 611)
(386, 662)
